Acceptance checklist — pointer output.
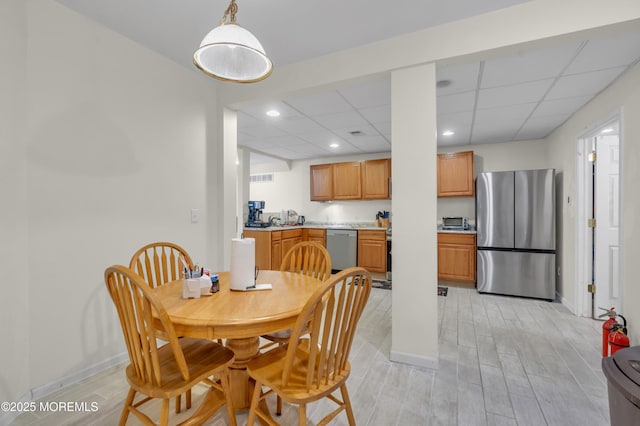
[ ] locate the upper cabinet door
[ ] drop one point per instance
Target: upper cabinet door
(321, 182)
(455, 174)
(347, 181)
(375, 179)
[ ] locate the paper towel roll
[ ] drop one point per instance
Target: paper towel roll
(243, 263)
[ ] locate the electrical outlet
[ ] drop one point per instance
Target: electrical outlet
(195, 215)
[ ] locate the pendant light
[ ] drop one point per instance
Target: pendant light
(231, 53)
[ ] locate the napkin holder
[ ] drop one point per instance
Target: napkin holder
(191, 288)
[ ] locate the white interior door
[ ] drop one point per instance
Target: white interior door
(607, 215)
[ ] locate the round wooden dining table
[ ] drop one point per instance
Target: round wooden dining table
(241, 317)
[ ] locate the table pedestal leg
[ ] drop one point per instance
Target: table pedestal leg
(245, 350)
(241, 384)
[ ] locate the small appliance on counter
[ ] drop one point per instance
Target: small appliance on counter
(455, 223)
(254, 219)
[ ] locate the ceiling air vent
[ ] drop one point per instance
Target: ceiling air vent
(355, 132)
(265, 177)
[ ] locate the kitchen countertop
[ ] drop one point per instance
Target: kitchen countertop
(471, 230)
(350, 226)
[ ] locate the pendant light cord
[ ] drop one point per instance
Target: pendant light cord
(231, 11)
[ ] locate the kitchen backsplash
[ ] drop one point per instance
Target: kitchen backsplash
(458, 206)
(290, 190)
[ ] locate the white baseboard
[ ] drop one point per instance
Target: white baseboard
(47, 389)
(44, 390)
(566, 304)
(413, 359)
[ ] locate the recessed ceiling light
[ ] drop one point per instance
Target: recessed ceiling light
(607, 130)
(334, 145)
(448, 133)
(273, 113)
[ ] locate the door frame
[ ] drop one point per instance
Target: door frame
(583, 234)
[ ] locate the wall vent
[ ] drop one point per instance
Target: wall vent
(264, 177)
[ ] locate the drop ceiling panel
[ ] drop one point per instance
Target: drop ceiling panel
(504, 116)
(540, 127)
(322, 138)
(370, 142)
(583, 84)
(297, 126)
(513, 95)
(368, 95)
(364, 131)
(613, 51)
(262, 130)
(285, 141)
(347, 119)
(384, 129)
(458, 102)
(527, 66)
(379, 114)
(463, 77)
(561, 106)
(320, 104)
(492, 135)
(459, 123)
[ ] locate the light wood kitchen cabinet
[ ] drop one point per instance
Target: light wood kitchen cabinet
(321, 177)
(347, 181)
(455, 174)
(276, 250)
(319, 235)
(457, 256)
(372, 250)
(272, 245)
(353, 180)
(375, 179)
(263, 247)
(290, 238)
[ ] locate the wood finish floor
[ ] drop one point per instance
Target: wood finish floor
(503, 361)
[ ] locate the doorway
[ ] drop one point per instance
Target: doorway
(598, 220)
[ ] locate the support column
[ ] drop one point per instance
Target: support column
(414, 297)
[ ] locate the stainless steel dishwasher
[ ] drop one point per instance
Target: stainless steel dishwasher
(342, 245)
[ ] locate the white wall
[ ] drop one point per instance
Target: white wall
(522, 155)
(112, 155)
(14, 254)
(290, 190)
(624, 94)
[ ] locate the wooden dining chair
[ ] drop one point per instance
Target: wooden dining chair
(159, 263)
(169, 370)
(308, 258)
(308, 369)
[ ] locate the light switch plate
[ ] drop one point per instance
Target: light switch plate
(195, 215)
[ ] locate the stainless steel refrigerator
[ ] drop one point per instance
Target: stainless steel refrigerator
(516, 226)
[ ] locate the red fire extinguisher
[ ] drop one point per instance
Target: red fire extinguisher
(606, 328)
(618, 338)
